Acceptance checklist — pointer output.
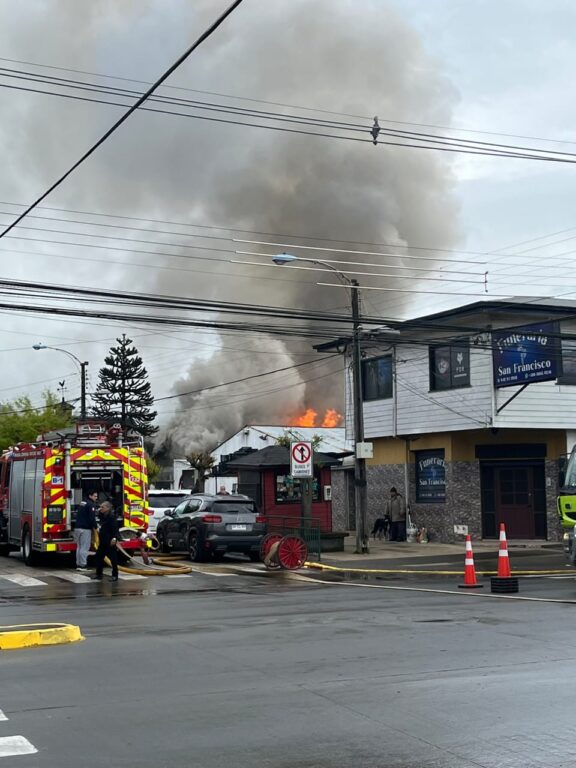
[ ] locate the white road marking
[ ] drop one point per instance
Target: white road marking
(2, 716)
(77, 578)
(11, 746)
(178, 576)
(23, 581)
(131, 577)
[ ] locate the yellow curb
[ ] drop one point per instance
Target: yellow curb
(33, 635)
(336, 569)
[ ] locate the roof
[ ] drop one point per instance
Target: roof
(559, 308)
(275, 456)
(332, 439)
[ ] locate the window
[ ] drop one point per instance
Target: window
(450, 366)
(568, 374)
(430, 477)
(377, 378)
(167, 501)
(289, 489)
(180, 509)
(192, 506)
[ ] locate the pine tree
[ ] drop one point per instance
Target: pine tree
(123, 392)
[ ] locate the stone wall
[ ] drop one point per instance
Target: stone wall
(551, 484)
(339, 500)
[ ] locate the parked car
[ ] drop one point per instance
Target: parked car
(160, 502)
(205, 524)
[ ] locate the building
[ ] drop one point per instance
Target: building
(469, 411)
(332, 441)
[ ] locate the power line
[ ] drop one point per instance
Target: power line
(204, 36)
(289, 106)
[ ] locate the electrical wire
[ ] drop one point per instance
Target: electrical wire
(165, 75)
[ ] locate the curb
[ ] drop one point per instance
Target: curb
(32, 635)
(421, 571)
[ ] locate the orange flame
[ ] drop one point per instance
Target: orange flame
(310, 419)
(307, 419)
(331, 418)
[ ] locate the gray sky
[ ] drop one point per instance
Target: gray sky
(477, 65)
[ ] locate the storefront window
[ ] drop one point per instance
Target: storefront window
(289, 489)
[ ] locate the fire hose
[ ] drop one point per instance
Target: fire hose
(142, 569)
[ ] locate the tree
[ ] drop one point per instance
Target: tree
(291, 437)
(201, 461)
(123, 392)
(21, 422)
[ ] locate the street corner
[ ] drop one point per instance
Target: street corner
(19, 636)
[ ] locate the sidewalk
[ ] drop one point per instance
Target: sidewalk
(403, 551)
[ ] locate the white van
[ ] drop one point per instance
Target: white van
(160, 501)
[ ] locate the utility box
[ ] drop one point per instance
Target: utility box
(364, 450)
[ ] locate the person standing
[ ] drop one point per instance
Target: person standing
(396, 509)
(85, 524)
(107, 544)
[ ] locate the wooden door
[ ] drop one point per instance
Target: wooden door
(514, 488)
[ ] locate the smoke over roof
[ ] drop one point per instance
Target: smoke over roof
(356, 58)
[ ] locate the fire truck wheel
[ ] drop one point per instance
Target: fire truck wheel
(28, 555)
(194, 548)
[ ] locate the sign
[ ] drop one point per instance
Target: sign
(301, 459)
(461, 530)
(430, 477)
(527, 354)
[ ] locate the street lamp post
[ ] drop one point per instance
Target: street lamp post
(360, 486)
(83, 367)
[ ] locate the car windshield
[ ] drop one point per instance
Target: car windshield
(243, 507)
(170, 500)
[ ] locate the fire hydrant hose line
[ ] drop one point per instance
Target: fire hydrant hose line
(140, 569)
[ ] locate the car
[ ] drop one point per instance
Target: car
(210, 525)
(160, 501)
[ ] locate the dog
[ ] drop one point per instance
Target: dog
(381, 529)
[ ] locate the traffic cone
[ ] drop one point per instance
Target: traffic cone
(469, 569)
(504, 571)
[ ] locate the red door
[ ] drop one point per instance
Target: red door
(514, 488)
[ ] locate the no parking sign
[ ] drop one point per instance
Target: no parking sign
(301, 459)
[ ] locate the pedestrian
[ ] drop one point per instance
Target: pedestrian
(396, 509)
(83, 527)
(107, 543)
(222, 491)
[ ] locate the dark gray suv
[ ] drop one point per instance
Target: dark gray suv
(203, 525)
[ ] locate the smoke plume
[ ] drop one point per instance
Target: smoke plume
(353, 58)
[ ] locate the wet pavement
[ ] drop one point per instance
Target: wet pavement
(243, 670)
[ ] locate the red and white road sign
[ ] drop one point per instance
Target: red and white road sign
(301, 459)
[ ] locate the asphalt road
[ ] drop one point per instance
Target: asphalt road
(239, 670)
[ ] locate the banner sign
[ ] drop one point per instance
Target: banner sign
(430, 477)
(527, 354)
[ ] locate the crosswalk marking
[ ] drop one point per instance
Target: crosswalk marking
(23, 581)
(77, 578)
(2, 716)
(131, 577)
(11, 746)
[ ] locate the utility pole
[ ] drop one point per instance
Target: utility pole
(360, 495)
(83, 367)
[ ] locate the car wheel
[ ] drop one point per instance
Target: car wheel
(162, 543)
(28, 555)
(194, 548)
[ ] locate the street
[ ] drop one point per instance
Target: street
(243, 670)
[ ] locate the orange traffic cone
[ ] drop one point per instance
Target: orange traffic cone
(503, 559)
(469, 569)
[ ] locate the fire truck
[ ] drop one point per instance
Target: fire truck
(43, 483)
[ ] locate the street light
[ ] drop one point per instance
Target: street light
(83, 367)
(360, 494)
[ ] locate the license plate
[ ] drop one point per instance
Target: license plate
(238, 527)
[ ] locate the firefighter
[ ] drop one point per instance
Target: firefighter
(85, 524)
(108, 539)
